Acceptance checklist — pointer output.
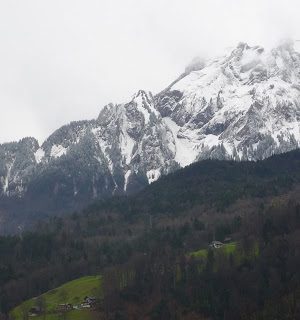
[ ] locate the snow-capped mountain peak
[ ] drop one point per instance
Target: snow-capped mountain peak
(242, 105)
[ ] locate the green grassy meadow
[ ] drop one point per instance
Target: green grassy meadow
(227, 249)
(71, 292)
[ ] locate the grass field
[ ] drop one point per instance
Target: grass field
(227, 249)
(232, 248)
(71, 292)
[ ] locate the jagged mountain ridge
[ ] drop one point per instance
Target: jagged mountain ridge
(126, 147)
(243, 105)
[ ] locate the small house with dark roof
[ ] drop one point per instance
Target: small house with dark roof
(216, 244)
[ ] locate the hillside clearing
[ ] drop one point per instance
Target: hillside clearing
(72, 292)
(227, 249)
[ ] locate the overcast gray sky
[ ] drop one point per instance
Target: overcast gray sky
(62, 60)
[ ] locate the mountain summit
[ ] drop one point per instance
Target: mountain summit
(244, 105)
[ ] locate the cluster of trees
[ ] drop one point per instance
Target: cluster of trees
(260, 280)
(213, 183)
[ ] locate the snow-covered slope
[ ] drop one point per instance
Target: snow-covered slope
(243, 105)
(125, 148)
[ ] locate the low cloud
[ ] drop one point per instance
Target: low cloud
(63, 60)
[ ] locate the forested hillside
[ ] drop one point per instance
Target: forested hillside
(143, 246)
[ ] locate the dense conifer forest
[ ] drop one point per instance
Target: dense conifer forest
(152, 249)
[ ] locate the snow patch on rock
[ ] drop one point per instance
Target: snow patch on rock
(39, 155)
(153, 175)
(186, 152)
(57, 151)
(126, 177)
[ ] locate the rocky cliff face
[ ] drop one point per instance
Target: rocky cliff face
(243, 105)
(124, 149)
